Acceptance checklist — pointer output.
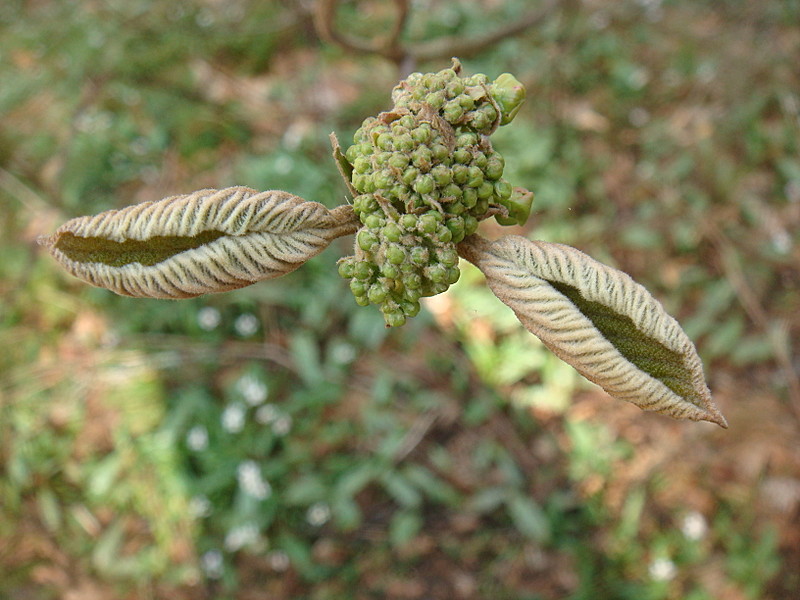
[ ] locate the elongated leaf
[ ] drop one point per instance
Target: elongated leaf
(600, 321)
(207, 241)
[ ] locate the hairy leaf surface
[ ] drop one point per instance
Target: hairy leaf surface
(600, 321)
(207, 241)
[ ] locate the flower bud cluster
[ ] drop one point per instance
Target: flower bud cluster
(426, 174)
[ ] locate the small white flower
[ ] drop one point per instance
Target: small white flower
(662, 569)
(639, 116)
(208, 318)
(267, 414)
(284, 164)
(241, 536)
(253, 390)
(233, 418)
(246, 324)
(251, 481)
(318, 514)
(197, 438)
(200, 507)
(278, 560)
(211, 563)
(282, 425)
(694, 526)
(344, 353)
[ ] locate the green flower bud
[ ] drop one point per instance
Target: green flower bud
(410, 175)
(392, 232)
(453, 274)
(412, 281)
(443, 234)
(479, 120)
(466, 102)
(422, 133)
(460, 173)
(390, 271)
(435, 99)
(408, 222)
(447, 256)
(509, 93)
(453, 111)
(470, 225)
(363, 270)
(362, 300)
(383, 179)
(467, 139)
(505, 221)
(441, 175)
(373, 221)
(439, 287)
(346, 267)
(384, 141)
(462, 156)
(451, 191)
(404, 143)
(485, 190)
(494, 166)
(470, 198)
(367, 240)
(382, 158)
(424, 184)
(407, 121)
(359, 288)
(394, 319)
(479, 160)
(410, 308)
(361, 164)
(456, 226)
(519, 205)
(481, 206)
(377, 293)
(395, 254)
(420, 255)
(422, 158)
(490, 112)
(475, 177)
(440, 152)
(436, 273)
(352, 154)
(502, 190)
(455, 88)
(398, 160)
(456, 208)
(360, 182)
(412, 295)
(428, 223)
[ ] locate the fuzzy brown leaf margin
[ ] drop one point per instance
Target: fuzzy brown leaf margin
(198, 243)
(600, 321)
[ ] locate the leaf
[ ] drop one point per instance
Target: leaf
(529, 518)
(207, 241)
(600, 321)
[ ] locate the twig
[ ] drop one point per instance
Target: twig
(469, 46)
(392, 49)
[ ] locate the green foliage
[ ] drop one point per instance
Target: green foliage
(642, 140)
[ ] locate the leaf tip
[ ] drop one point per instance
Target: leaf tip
(715, 416)
(46, 241)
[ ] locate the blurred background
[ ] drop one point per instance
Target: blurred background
(278, 441)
